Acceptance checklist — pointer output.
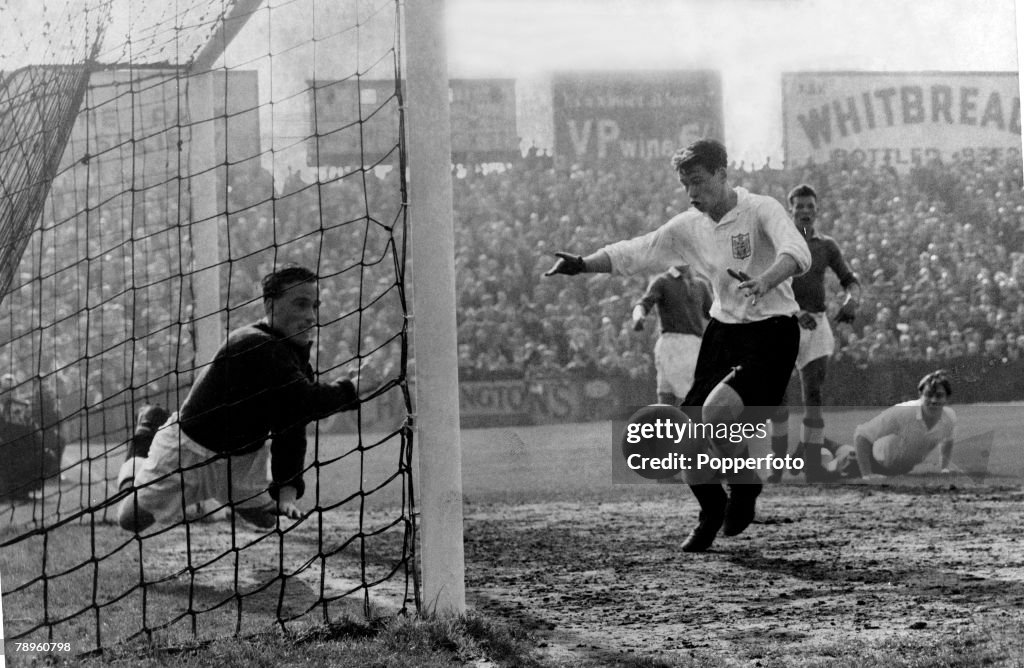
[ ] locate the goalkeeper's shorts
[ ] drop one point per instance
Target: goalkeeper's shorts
(179, 473)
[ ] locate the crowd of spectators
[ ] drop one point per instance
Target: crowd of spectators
(939, 252)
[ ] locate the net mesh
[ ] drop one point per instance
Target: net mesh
(157, 159)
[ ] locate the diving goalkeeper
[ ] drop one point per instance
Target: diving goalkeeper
(259, 387)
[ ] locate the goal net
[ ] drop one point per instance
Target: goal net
(156, 160)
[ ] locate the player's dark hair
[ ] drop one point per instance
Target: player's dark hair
(276, 282)
(935, 379)
(707, 153)
(802, 190)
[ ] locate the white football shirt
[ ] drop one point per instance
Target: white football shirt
(749, 238)
(901, 440)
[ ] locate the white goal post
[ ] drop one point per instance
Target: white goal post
(433, 287)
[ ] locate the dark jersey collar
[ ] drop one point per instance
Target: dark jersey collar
(812, 235)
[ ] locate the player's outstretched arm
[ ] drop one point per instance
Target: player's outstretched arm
(367, 379)
(570, 264)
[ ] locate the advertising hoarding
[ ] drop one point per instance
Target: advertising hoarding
(900, 119)
(355, 122)
(616, 116)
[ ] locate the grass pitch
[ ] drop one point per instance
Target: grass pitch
(543, 519)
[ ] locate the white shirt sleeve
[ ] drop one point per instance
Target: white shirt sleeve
(784, 235)
(652, 252)
(885, 423)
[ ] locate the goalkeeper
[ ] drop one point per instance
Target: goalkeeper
(816, 341)
(259, 386)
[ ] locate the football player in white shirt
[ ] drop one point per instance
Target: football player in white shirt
(901, 437)
(748, 249)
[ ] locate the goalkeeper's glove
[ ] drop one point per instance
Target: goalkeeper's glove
(568, 264)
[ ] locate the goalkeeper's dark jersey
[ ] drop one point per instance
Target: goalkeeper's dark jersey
(809, 288)
(259, 386)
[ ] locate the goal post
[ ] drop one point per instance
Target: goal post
(206, 218)
(206, 154)
(433, 287)
(218, 141)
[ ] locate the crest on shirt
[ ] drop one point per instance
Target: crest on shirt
(741, 245)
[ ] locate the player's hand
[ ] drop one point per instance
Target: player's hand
(287, 505)
(752, 287)
(364, 374)
(848, 311)
(567, 264)
(806, 320)
(738, 275)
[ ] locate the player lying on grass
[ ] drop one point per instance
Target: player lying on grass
(259, 386)
(901, 437)
(747, 248)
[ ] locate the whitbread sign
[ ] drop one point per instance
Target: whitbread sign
(900, 118)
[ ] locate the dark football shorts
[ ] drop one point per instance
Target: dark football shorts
(765, 352)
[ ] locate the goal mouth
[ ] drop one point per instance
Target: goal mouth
(156, 161)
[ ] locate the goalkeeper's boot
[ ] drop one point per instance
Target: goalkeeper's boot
(741, 507)
(712, 500)
(150, 419)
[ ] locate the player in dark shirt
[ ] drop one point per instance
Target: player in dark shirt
(259, 386)
(684, 304)
(816, 340)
